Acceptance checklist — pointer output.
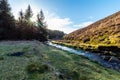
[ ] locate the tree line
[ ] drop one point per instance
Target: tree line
(55, 34)
(24, 28)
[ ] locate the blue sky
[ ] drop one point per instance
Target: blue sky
(68, 15)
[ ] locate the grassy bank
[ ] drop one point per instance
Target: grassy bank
(32, 60)
(106, 49)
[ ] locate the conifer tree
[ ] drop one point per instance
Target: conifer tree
(21, 16)
(42, 25)
(28, 13)
(7, 22)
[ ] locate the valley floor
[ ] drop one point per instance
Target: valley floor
(33, 60)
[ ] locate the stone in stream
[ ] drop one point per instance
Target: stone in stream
(114, 59)
(106, 58)
(110, 58)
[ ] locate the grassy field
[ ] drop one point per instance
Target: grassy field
(32, 60)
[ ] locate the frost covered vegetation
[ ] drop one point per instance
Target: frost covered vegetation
(33, 60)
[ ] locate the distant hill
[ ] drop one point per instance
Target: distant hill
(55, 34)
(104, 31)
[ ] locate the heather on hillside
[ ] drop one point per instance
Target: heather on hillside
(104, 31)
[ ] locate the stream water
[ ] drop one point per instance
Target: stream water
(91, 56)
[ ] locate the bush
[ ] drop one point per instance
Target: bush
(1, 58)
(69, 74)
(37, 68)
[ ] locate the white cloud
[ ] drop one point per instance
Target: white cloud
(84, 24)
(57, 23)
(63, 24)
(54, 21)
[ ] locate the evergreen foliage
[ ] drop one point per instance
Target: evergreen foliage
(7, 22)
(23, 28)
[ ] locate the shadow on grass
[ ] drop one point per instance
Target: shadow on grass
(16, 54)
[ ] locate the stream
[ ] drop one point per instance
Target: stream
(92, 56)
